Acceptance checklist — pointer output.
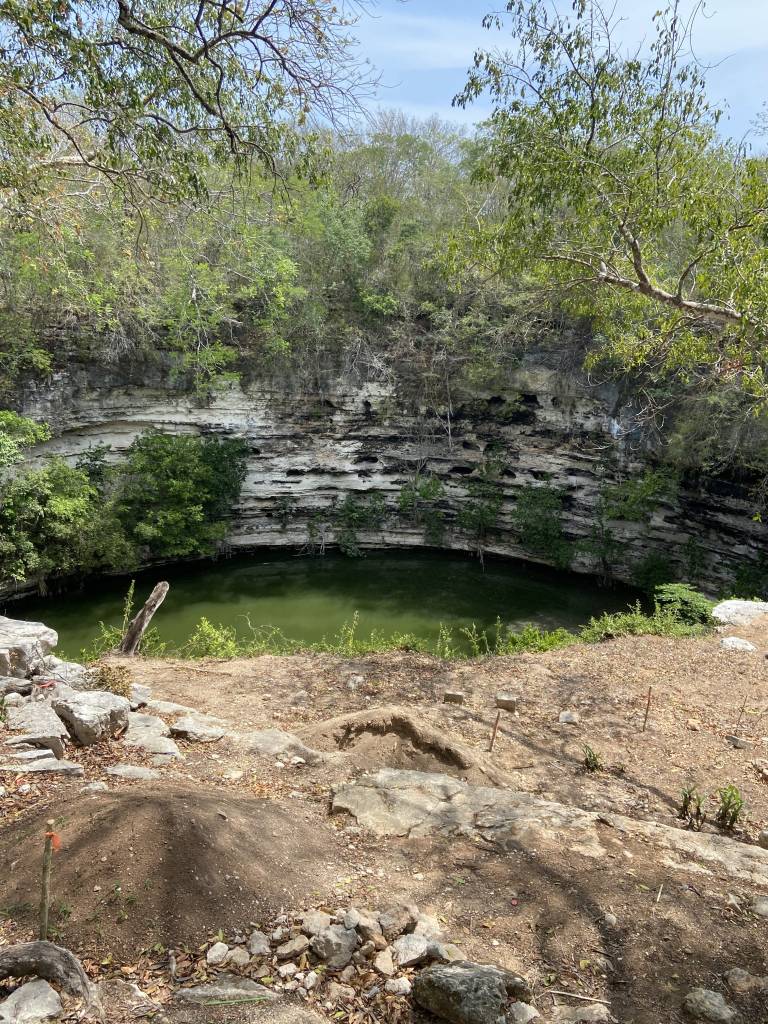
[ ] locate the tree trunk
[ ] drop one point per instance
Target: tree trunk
(137, 626)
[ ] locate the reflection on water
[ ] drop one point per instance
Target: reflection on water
(309, 598)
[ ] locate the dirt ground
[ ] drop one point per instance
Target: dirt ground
(175, 861)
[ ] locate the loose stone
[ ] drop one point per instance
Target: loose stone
(507, 701)
(569, 718)
(258, 944)
(398, 986)
(30, 1004)
(315, 921)
(217, 954)
(398, 919)
(453, 697)
(239, 957)
(703, 1004)
(292, 948)
(468, 993)
(522, 1013)
(335, 945)
(384, 963)
(410, 949)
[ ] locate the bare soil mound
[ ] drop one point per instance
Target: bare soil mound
(391, 737)
(163, 864)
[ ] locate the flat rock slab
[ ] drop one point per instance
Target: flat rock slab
(12, 684)
(40, 725)
(736, 643)
(199, 728)
(226, 986)
(151, 734)
(47, 765)
(167, 707)
(411, 803)
(132, 771)
(739, 613)
(70, 672)
(276, 743)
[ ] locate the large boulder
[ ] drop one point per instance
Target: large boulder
(91, 715)
(739, 613)
(30, 1004)
(469, 993)
(40, 726)
(23, 645)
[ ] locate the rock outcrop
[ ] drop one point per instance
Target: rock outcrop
(310, 448)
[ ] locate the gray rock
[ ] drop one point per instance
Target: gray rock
(41, 726)
(22, 644)
(399, 918)
(287, 970)
(276, 743)
(569, 718)
(340, 993)
(22, 753)
(199, 728)
(315, 921)
(239, 957)
(91, 715)
(398, 986)
(703, 1004)
(583, 1014)
(453, 697)
(48, 766)
(132, 771)
(410, 949)
(150, 734)
(368, 926)
(218, 954)
(384, 964)
(140, 694)
(33, 1002)
(95, 787)
(409, 803)
(762, 838)
(11, 684)
(335, 945)
(469, 993)
(430, 927)
(739, 742)
(69, 672)
(760, 906)
(736, 643)
(739, 613)
(522, 1013)
(258, 944)
(507, 701)
(444, 952)
(293, 948)
(167, 707)
(226, 986)
(743, 983)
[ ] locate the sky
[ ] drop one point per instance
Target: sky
(422, 49)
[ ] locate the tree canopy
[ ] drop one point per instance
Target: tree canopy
(149, 96)
(618, 194)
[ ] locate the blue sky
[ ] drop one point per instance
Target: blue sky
(422, 49)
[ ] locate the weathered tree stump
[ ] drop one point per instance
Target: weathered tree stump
(52, 962)
(130, 642)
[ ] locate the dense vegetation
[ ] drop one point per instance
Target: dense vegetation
(167, 499)
(597, 212)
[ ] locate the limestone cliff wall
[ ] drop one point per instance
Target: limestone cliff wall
(309, 447)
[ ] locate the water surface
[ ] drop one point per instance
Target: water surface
(311, 598)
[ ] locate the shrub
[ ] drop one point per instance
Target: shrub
(691, 810)
(537, 518)
(685, 603)
(531, 638)
(635, 622)
(593, 762)
(731, 806)
(209, 641)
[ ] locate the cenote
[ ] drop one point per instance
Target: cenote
(310, 599)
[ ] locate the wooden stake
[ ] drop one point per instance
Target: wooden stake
(647, 708)
(45, 894)
(494, 731)
(137, 625)
(741, 714)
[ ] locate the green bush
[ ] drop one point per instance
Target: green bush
(531, 638)
(209, 641)
(636, 622)
(173, 492)
(537, 518)
(685, 603)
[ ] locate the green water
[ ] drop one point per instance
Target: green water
(311, 598)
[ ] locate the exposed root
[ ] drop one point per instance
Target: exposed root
(52, 962)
